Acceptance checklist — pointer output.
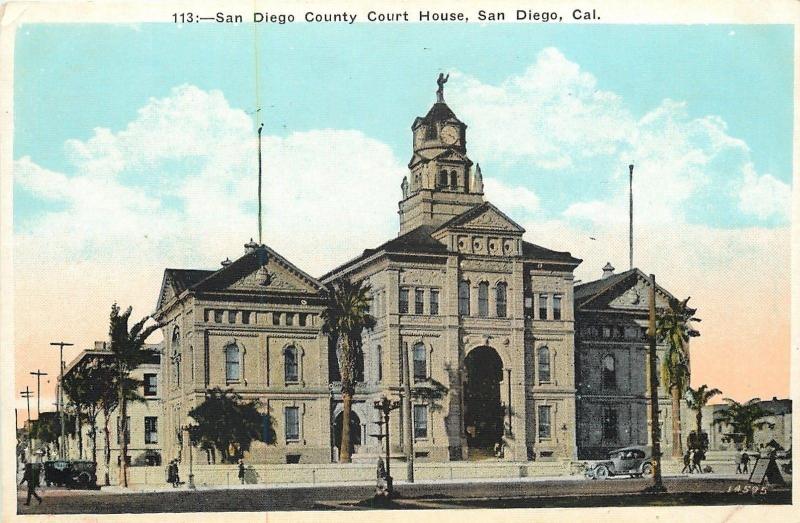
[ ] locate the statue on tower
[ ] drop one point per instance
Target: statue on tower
(440, 91)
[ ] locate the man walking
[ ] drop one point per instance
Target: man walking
(32, 477)
(745, 461)
(687, 460)
(241, 471)
(697, 460)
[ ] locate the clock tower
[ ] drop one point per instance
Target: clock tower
(441, 183)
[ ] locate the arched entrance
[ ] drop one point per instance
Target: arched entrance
(483, 412)
(355, 431)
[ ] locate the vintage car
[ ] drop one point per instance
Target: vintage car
(73, 474)
(629, 461)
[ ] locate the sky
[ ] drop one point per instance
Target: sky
(135, 150)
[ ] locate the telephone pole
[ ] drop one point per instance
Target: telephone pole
(27, 393)
(655, 429)
(38, 375)
(62, 443)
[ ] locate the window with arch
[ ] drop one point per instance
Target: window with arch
(420, 358)
(453, 179)
(463, 298)
(291, 367)
(609, 372)
(483, 299)
(176, 357)
(233, 358)
(379, 363)
(543, 355)
(501, 295)
(442, 179)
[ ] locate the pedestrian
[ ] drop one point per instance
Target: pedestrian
(241, 471)
(176, 472)
(687, 460)
(745, 461)
(32, 477)
(697, 460)
(170, 474)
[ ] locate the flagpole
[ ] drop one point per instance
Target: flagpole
(630, 217)
(259, 183)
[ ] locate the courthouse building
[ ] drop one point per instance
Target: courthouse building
(487, 319)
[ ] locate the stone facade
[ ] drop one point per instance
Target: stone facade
(777, 431)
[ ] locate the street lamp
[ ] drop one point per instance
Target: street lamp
(188, 428)
(385, 406)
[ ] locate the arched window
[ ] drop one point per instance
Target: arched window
(463, 298)
(609, 372)
(420, 362)
(453, 179)
(442, 179)
(379, 363)
(543, 355)
(232, 363)
(176, 357)
(501, 293)
(290, 365)
(483, 299)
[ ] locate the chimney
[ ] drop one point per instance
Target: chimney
(608, 270)
(99, 345)
(226, 262)
(251, 246)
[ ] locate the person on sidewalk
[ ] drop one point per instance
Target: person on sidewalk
(687, 460)
(697, 461)
(745, 461)
(170, 474)
(241, 471)
(32, 477)
(176, 472)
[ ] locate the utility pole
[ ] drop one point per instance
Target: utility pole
(655, 430)
(38, 375)
(408, 431)
(62, 443)
(630, 217)
(27, 395)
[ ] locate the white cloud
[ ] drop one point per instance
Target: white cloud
(764, 196)
(509, 197)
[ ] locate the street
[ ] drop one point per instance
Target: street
(505, 494)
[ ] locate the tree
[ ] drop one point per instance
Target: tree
(674, 326)
(127, 349)
(344, 319)
(225, 421)
(745, 419)
(698, 398)
(85, 385)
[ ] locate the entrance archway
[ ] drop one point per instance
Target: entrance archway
(483, 412)
(355, 431)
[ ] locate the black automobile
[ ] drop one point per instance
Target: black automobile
(72, 474)
(629, 461)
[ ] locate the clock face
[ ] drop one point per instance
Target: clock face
(450, 135)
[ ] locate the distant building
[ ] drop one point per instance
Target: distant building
(777, 434)
(145, 422)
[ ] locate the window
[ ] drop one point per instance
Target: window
(453, 179)
(543, 306)
(606, 331)
(231, 316)
(231, 363)
(501, 293)
(419, 297)
(631, 333)
(442, 179)
(544, 364)
(420, 421)
(290, 367)
(276, 318)
(402, 306)
(609, 372)
(218, 316)
(463, 298)
(301, 319)
(420, 363)
(246, 317)
(292, 415)
(150, 385)
(483, 299)
(150, 429)
(379, 362)
(434, 302)
(127, 430)
(544, 421)
(610, 425)
(556, 307)
(289, 319)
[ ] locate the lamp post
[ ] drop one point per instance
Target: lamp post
(187, 428)
(385, 406)
(61, 345)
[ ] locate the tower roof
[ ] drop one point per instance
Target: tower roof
(439, 112)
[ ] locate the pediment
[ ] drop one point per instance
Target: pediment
(452, 155)
(490, 220)
(274, 276)
(631, 294)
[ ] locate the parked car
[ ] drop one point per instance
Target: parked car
(631, 461)
(72, 474)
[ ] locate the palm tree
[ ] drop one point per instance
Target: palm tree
(345, 317)
(744, 418)
(127, 350)
(698, 398)
(674, 327)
